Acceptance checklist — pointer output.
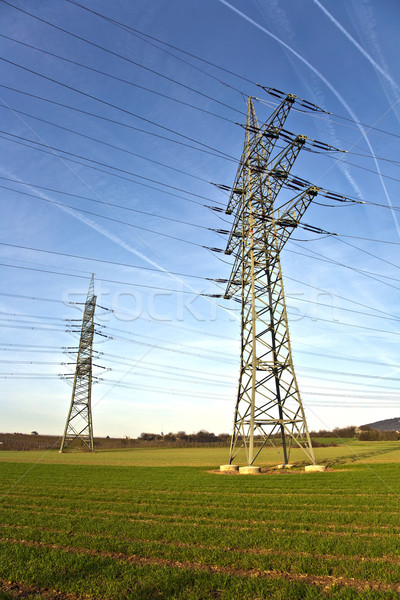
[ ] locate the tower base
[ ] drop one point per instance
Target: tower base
(249, 470)
(315, 468)
(229, 468)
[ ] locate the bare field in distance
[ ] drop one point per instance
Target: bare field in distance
(347, 451)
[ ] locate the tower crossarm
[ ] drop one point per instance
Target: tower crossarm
(234, 284)
(288, 217)
(258, 141)
(279, 168)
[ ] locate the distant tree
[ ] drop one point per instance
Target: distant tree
(170, 437)
(321, 433)
(345, 432)
(205, 436)
(147, 437)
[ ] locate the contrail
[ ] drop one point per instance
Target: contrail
(376, 66)
(331, 88)
(102, 230)
(117, 240)
(282, 24)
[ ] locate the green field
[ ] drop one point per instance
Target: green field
(105, 525)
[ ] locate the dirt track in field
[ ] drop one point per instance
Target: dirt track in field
(254, 551)
(21, 590)
(208, 521)
(325, 582)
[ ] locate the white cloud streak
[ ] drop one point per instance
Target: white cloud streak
(369, 58)
(331, 87)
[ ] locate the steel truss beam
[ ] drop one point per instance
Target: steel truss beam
(79, 421)
(268, 401)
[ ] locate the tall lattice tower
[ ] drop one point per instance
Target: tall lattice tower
(79, 420)
(268, 405)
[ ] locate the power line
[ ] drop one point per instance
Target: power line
(103, 202)
(172, 368)
(213, 357)
(358, 312)
(272, 91)
(124, 110)
(350, 359)
(176, 377)
(393, 318)
(116, 54)
(88, 212)
(345, 374)
(119, 148)
(368, 274)
(328, 260)
(100, 260)
(313, 318)
(83, 66)
(217, 153)
(130, 173)
(370, 254)
(138, 33)
(41, 187)
(118, 358)
(338, 296)
(140, 285)
(108, 356)
(54, 155)
(137, 116)
(96, 162)
(325, 117)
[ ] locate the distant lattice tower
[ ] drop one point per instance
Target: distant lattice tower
(268, 406)
(78, 427)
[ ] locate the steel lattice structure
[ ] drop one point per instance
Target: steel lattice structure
(268, 400)
(79, 420)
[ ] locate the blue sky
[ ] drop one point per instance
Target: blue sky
(147, 192)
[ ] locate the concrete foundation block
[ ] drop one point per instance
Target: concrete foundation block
(229, 468)
(285, 466)
(249, 470)
(315, 468)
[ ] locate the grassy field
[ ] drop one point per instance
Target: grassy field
(106, 526)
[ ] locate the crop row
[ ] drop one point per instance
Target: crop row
(371, 514)
(306, 520)
(82, 573)
(276, 535)
(186, 533)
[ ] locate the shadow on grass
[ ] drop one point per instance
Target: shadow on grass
(355, 456)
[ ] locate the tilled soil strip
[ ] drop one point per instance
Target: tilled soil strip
(21, 590)
(208, 522)
(256, 551)
(181, 500)
(138, 510)
(324, 581)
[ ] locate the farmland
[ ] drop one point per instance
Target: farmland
(106, 525)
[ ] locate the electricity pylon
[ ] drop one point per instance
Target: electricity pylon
(268, 402)
(79, 420)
